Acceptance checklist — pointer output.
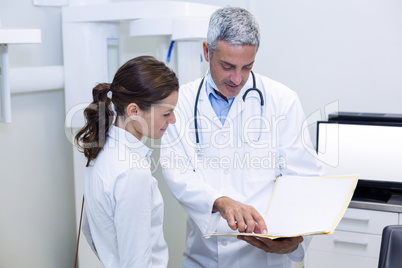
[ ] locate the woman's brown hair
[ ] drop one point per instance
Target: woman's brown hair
(142, 80)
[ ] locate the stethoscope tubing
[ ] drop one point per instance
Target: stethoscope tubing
(197, 139)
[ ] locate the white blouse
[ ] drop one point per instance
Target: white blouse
(123, 211)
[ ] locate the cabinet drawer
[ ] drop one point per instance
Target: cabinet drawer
(356, 244)
(367, 221)
(320, 259)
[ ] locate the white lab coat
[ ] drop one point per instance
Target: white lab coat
(244, 171)
(123, 215)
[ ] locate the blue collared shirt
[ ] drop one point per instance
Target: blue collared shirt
(220, 106)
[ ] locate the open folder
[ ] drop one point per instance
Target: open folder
(303, 205)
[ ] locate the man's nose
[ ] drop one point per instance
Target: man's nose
(236, 77)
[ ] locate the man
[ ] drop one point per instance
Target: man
(228, 146)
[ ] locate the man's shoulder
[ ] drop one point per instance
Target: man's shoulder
(273, 87)
(191, 86)
(188, 91)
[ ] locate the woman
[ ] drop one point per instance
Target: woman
(123, 212)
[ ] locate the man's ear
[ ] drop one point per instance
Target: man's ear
(132, 109)
(205, 49)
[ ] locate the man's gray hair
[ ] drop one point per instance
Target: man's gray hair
(234, 25)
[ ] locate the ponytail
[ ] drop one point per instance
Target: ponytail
(99, 115)
(142, 80)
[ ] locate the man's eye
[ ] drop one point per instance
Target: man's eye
(166, 115)
(226, 68)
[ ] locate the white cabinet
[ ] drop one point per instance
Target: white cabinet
(336, 260)
(355, 243)
(366, 221)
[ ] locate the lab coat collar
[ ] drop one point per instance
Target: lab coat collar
(238, 104)
(204, 106)
(208, 88)
(118, 135)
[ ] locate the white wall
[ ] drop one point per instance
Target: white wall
(36, 205)
(345, 51)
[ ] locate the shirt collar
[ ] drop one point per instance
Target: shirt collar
(209, 87)
(121, 136)
(210, 90)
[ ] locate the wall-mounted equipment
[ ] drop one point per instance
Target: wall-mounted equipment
(8, 37)
(87, 30)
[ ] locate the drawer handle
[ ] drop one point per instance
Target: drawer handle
(351, 243)
(363, 221)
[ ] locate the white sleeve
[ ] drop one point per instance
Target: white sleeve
(87, 232)
(194, 194)
(133, 197)
(299, 254)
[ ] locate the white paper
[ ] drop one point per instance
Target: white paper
(306, 205)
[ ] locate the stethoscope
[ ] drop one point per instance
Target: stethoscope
(197, 139)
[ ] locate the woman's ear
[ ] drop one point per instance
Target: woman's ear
(132, 109)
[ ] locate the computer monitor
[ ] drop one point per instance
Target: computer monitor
(355, 143)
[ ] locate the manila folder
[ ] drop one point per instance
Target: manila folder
(305, 205)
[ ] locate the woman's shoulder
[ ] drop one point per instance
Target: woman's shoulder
(115, 160)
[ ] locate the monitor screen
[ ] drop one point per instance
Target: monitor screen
(373, 151)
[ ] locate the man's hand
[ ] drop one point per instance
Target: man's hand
(240, 216)
(279, 245)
